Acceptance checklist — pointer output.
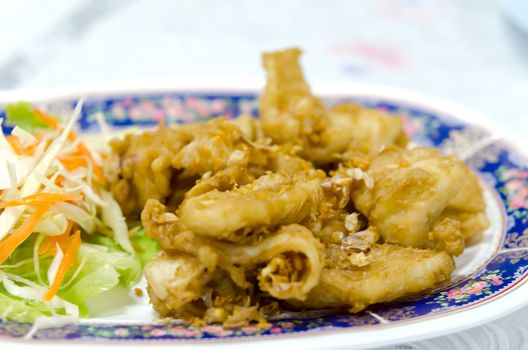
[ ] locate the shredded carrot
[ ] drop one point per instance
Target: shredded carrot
(53, 197)
(42, 198)
(15, 143)
(73, 162)
(19, 235)
(46, 118)
(50, 243)
(58, 180)
(19, 148)
(81, 148)
(67, 262)
(98, 171)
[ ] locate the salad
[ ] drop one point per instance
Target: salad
(63, 237)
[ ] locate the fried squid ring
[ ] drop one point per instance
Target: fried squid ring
(174, 281)
(290, 260)
(294, 260)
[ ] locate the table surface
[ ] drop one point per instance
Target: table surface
(465, 51)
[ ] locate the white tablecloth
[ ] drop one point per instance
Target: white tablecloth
(464, 51)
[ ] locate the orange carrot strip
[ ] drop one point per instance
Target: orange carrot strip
(50, 242)
(99, 174)
(58, 180)
(46, 245)
(83, 150)
(18, 147)
(19, 235)
(67, 262)
(15, 143)
(46, 118)
(42, 198)
(98, 171)
(52, 122)
(73, 162)
(55, 197)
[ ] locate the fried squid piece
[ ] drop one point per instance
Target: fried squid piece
(293, 260)
(468, 207)
(291, 114)
(165, 163)
(139, 166)
(366, 130)
(391, 272)
(288, 110)
(216, 145)
(410, 190)
(180, 286)
(250, 126)
(270, 200)
(174, 281)
(287, 262)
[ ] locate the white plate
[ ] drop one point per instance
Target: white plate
(430, 121)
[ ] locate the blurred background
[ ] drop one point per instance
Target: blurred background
(473, 52)
(470, 51)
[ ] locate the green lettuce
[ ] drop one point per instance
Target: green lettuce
(22, 310)
(103, 269)
(98, 268)
(22, 114)
(144, 246)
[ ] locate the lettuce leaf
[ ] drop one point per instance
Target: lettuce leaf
(22, 310)
(21, 114)
(145, 247)
(98, 268)
(126, 265)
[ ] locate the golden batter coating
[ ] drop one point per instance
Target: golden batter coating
(270, 200)
(292, 115)
(308, 207)
(291, 251)
(139, 167)
(392, 272)
(410, 190)
(468, 207)
(154, 164)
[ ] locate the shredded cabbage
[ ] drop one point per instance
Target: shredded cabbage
(55, 263)
(52, 224)
(113, 217)
(78, 215)
(25, 138)
(107, 254)
(10, 215)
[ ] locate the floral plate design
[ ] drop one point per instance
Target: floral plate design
(493, 285)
